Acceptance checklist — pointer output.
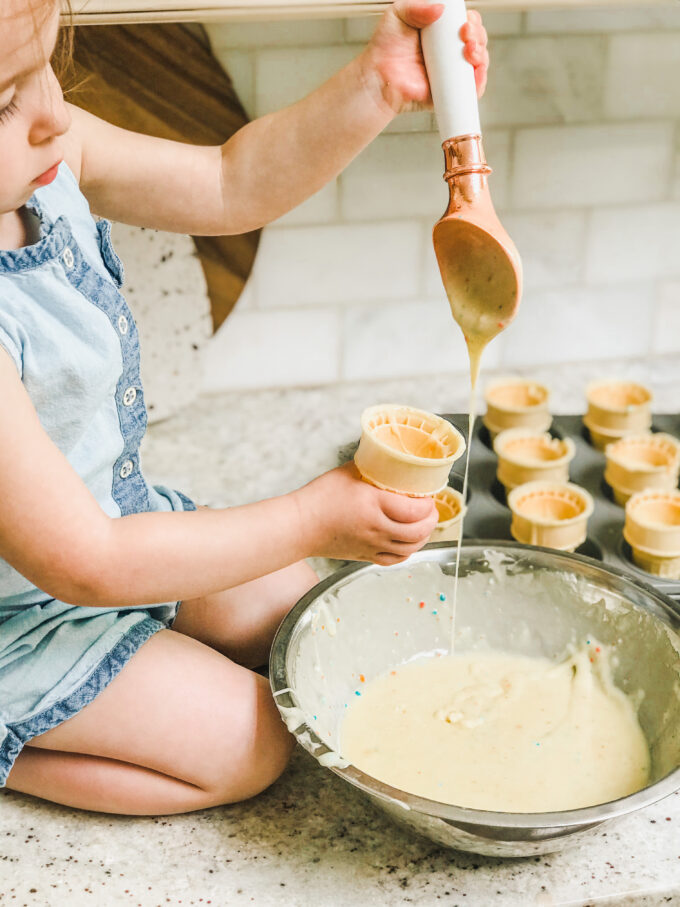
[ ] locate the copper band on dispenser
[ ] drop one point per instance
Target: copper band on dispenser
(465, 170)
(464, 154)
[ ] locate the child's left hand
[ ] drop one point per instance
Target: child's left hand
(394, 58)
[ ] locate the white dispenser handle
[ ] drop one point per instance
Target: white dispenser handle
(452, 78)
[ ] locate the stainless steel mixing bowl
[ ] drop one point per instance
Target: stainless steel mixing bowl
(365, 619)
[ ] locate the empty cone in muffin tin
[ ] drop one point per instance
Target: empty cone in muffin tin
(516, 403)
(489, 517)
(451, 510)
(652, 529)
(616, 408)
(649, 461)
(525, 455)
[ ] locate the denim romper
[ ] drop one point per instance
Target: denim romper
(74, 342)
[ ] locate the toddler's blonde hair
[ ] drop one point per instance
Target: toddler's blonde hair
(40, 10)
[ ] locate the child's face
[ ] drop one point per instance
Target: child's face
(32, 111)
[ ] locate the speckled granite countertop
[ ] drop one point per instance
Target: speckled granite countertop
(310, 839)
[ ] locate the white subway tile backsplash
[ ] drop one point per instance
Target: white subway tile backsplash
(544, 80)
(636, 243)
(395, 176)
(501, 23)
(667, 319)
(432, 280)
(411, 121)
(386, 340)
(278, 33)
(285, 75)
(624, 18)
(402, 175)
(582, 129)
(551, 245)
(359, 29)
(498, 150)
(643, 76)
(340, 263)
(592, 165)
(578, 324)
(265, 349)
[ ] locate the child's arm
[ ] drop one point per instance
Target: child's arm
(53, 531)
(274, 163)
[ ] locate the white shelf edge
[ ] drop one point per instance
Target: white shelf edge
(120, 12)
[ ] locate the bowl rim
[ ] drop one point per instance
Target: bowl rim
(666, 609)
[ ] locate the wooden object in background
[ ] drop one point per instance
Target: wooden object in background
(163, 80)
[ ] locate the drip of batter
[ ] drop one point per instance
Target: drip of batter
(501, 732)
(476, 344)
(481, 273)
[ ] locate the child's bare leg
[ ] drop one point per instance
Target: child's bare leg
(180, 728)
(241, 622)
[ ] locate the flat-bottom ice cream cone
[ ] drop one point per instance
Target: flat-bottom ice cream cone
(616, 409)
(451, 510)
(550, 514)
(525, 456)
(652, 529)
(516, 403)
(407, 450)
(644, 462)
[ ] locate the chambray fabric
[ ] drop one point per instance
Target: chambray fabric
(74, 342)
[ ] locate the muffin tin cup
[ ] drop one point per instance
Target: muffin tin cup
(643, 462)
(665, 567)
(550, 514)
(516, 403)
(616, 409)
(407, 450)
(529, 456)
(652, 529)
(451, 509)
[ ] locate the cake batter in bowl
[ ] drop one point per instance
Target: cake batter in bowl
(366, 621)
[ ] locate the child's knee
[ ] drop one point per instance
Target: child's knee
(263, 760)
(273, 743)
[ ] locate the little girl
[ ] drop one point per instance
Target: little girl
(130, 620)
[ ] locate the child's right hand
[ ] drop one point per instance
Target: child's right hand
(347, 518)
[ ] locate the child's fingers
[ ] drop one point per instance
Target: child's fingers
(478, 57)
(473, 32)
(385, 559)
(401, 550)
(402, 509)
(481, 73)
(417, 14)
(476, 54)
(412, 533)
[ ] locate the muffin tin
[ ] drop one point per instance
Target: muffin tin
(488, 516)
